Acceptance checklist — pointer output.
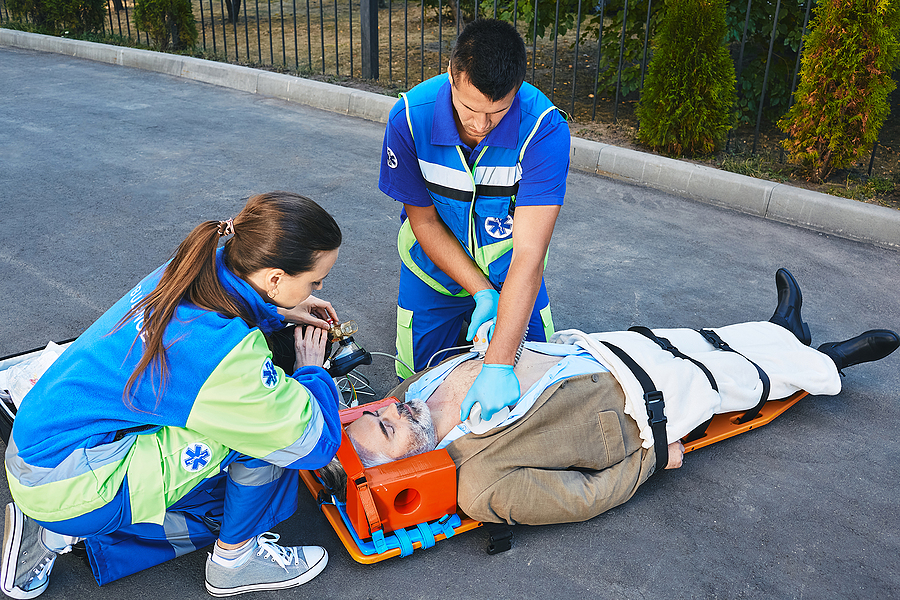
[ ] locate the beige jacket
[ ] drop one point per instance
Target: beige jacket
(574, 455)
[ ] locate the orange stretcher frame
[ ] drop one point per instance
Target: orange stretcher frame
(726, 425)
(423, 488)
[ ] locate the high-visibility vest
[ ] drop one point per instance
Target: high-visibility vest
(476, 204)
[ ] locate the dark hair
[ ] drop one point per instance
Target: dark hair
(334, 479)
(492, 55)
(274, 230)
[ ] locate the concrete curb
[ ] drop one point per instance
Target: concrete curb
(845, 218)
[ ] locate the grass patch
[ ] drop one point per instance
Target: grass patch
(760, 166)
(875, 189)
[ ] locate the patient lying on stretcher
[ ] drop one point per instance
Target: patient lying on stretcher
(578, 442)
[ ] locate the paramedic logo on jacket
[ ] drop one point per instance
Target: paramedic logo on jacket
(195, 457)
(268, 374)
(499, 228)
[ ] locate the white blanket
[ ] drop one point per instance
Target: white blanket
(689, 399)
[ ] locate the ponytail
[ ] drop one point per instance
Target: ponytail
(275, 230)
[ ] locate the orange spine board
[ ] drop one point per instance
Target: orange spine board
(399, 494)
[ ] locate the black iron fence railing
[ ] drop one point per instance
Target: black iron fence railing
(589, 56)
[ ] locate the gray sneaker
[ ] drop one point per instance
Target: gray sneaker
(271, 567)
(25, 572)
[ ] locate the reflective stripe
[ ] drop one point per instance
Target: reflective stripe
(498, 176)
(472, 245)
(153, 466)
(405, 240)
(79, 462)
(404, 342)
(87, 479)
(459, 185)
(177, 533)
(307, 442)
(254, 476)
(447, 177)
(55, 497)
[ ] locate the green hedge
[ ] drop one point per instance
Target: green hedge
(845, 80)
(60, 16)
(169, 23)
(687, 106)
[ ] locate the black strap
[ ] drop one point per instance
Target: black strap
(668, 347)
(499, 537)
(656, 406)
(713, 338)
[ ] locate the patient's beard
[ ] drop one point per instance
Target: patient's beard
(419, 416)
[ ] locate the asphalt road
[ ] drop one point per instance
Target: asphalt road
(104, 169)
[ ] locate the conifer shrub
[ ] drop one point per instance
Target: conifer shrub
(687, 106)
(169, 23)
(60, 16)
(845, 80)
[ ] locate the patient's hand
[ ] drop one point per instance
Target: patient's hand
(311, 311)
(676, 455)
(309, 346)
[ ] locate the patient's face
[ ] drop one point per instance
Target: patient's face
(393, 432)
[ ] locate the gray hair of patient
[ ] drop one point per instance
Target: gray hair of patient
(424, 440)
(334, 477)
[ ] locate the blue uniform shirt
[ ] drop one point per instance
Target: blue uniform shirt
(544, 166)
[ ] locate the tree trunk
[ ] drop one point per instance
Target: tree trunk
(234, 9)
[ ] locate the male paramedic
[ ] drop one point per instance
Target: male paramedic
(579, 442)
(479, 160)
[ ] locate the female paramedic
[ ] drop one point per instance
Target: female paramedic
(166, 426)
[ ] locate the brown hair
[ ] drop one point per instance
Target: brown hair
(274, 230)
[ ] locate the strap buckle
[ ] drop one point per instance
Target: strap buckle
(715, 341)
(656, 408)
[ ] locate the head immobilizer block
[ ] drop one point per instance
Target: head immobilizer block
(398, 494)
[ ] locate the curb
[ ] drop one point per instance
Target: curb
(868, 223)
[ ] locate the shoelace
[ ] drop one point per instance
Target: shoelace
(42, 570)
(279, 554)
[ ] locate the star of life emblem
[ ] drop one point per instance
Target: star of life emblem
(392, 161)
(499, 228)
(268, 374)
(195, 457)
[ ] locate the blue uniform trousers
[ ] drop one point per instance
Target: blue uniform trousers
(247, 497)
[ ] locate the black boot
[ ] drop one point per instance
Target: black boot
(787, 313)
(866, 347)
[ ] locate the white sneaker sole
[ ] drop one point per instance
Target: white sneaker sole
(12, 539)
(278, 585)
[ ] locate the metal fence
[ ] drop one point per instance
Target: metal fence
(398, 43)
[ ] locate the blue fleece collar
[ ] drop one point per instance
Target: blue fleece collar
(264, 314)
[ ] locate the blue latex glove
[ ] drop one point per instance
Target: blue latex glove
(495, 388)
(486, 302)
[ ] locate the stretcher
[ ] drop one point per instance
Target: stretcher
(410, 504)
(394, 509)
